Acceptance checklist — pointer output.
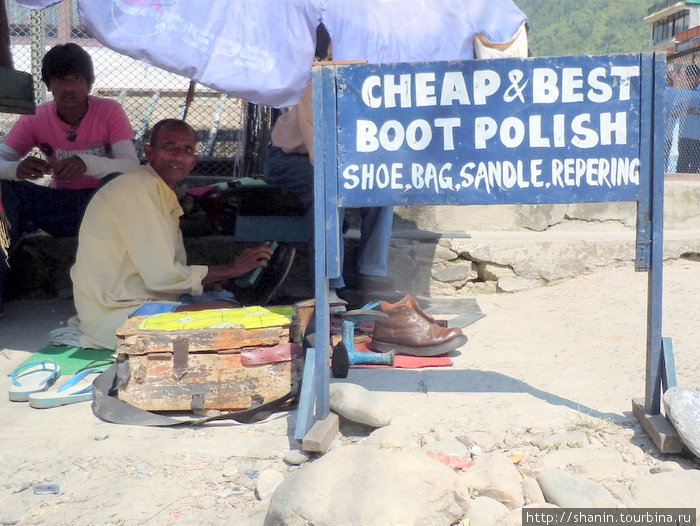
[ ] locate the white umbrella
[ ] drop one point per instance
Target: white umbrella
(262, 50)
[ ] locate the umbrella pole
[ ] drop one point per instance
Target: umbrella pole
(188, 99)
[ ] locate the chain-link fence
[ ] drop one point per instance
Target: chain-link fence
(232, 135)
(682, 124)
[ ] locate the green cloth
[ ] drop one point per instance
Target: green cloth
(71, 359)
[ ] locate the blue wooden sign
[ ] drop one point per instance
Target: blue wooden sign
(543, 130)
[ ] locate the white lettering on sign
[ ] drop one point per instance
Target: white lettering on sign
(512, 131)
(567, 85)
(564, 110)
(392, 135)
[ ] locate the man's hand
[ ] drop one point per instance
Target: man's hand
(249, 259)
(33, 168)
(70, 168)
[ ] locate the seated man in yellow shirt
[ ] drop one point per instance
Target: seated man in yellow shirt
(131, 257)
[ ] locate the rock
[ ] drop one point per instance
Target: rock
(539, 430)
(443, 253)
(455, 271)
(390, 437)
(515, 517)
(568, 439)
(268, 480)
(484, 511)
(489, 271)
(577, 456)
(682, 407)
(633, 454)
(449, 447)
(369, 486)
(9, 520)
(358, 404)
(296, 457)
(532, 491)
(600, 469)
(573, 491)
(516, 284)
(485, 440)
(511, 441)
(672, 489)
(493, 475)
(664, 467)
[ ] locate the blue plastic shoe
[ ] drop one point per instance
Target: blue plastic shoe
(77, 389)
(33, 377)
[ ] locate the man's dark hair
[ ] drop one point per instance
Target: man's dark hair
(323, 41)
(166, 123)
(67, 59)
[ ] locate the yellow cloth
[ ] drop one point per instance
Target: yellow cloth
(243, 317)
(130, 252)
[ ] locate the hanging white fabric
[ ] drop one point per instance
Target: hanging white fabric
(262, 50)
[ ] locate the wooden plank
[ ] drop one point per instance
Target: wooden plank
(210, 381)
(307, 402)
(203, 341)
(661, 432)
(321, 434)
(133, 340)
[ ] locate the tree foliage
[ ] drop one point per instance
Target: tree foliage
(591, 27)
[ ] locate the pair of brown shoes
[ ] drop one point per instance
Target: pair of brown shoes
(409, 330)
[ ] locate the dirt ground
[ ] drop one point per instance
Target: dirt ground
(550, 356)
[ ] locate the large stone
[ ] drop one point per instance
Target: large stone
(492, 272)
(485, 511)
(600, 469)
(390, 437)
(455, 271)
(483, 439)
(671, 489)
(495, 476)
(371, 487)
(532, 491)
(576, 456)
(515, 517)
(448, 446)
(567, 490)
(267, 482)
(355, 403)
(516, 284)
(682, 406)
(541, 217)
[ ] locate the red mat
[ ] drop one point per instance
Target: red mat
(402, 361)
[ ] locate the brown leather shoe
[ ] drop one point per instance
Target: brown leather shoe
(407, 332)
(411, 302)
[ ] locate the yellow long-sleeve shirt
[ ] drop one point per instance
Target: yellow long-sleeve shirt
(130, 252)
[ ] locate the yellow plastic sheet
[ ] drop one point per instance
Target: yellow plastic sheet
(243, 318)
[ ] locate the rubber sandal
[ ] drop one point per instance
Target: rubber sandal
(33, 377)
(99, 365)
(77, 389)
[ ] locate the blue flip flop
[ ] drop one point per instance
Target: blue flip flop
(77, 389)
(33, 377)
